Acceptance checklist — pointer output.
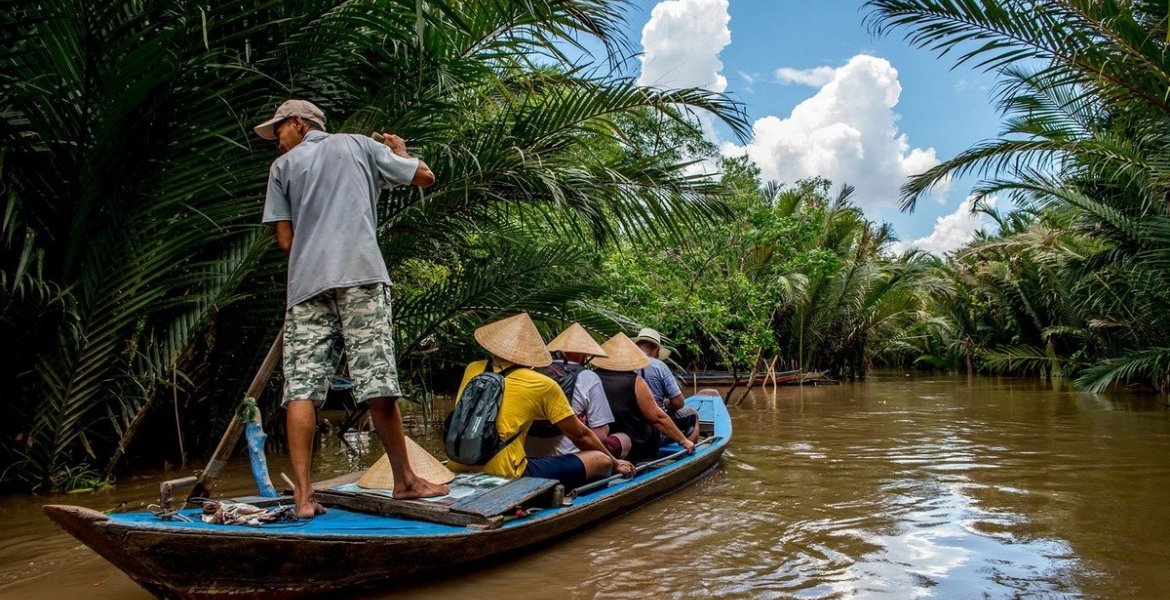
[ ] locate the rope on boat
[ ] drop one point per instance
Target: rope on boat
(230, 512)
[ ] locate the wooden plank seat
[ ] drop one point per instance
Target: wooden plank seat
(480, 507)
(507, 498)
(411, 509)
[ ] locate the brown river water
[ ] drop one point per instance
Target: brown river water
(900, 487)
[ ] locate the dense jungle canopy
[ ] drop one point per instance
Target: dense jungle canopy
(138, 291)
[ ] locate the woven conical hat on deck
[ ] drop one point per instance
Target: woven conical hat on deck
(381, 476)
(576, 339)
(622, 355)
(515, 340)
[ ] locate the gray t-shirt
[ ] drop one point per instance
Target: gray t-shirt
(661, 381)
(328, 187)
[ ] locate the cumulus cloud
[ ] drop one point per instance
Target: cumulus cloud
(681, 44)
(846, 132)
(951, 231)
(815, 77)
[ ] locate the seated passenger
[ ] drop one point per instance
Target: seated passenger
(664, 386)
(571, 350)
(529, 396)
(636, 415)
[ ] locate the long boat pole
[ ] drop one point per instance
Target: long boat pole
(210, 474)
(642, 468)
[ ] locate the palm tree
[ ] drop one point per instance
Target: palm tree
(1084, 147)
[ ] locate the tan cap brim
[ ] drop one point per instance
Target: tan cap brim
(267, 129)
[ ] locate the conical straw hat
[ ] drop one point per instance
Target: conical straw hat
(652, 336)
(515, 340)
(575, 339)
(381, 476)
(622, 354)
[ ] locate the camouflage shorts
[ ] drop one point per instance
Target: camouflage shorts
(355, 320)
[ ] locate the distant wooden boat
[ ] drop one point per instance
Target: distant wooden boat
(702, 378)
(368, 541)
(813, 378)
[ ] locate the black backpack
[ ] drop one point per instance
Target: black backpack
(471, 437)
(565, 374)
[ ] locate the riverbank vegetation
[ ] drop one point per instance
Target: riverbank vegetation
(138, 291)
(137, 282)
(1074, 283)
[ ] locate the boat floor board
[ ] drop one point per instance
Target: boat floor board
(412, 509)
(506, 498)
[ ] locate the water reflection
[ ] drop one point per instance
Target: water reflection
(895, 488)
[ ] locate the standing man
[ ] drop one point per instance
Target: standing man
(664, 386)
(322, 195)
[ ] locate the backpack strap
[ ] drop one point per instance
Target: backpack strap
(504, 374)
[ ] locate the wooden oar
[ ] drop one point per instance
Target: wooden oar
(642, 468)
(235, 429)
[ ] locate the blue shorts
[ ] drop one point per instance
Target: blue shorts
(567, 469)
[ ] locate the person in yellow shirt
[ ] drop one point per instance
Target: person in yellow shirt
(530, 396)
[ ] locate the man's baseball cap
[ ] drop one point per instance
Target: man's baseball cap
(291, 108)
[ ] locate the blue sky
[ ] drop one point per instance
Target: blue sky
(827, 97)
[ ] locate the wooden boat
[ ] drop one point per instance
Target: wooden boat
(726, 378)
(368, 541)
(812, 378)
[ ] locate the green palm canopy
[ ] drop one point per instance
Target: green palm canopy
(132, 264)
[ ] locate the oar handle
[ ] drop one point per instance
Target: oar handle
(642, 468)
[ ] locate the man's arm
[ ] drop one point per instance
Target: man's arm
(659, 419)
(423, 177)
(672, 395)
(284, 235)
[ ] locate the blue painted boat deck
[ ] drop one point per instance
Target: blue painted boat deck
(341, 522)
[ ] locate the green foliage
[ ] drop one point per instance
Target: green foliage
(133, 270)
(79, 479)
(1075, 283)
(796, 275)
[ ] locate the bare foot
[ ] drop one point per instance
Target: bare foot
(419, 488)
(309, 508)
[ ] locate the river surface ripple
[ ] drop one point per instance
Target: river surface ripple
(900, 487)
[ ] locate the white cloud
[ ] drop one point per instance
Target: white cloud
(750, 78)
(815, 77)
(951, 231)
(964, 85)
(681, 44)
(846, 132)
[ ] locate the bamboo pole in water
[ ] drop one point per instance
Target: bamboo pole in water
(215, 465)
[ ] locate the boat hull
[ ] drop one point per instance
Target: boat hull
(196, 562)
